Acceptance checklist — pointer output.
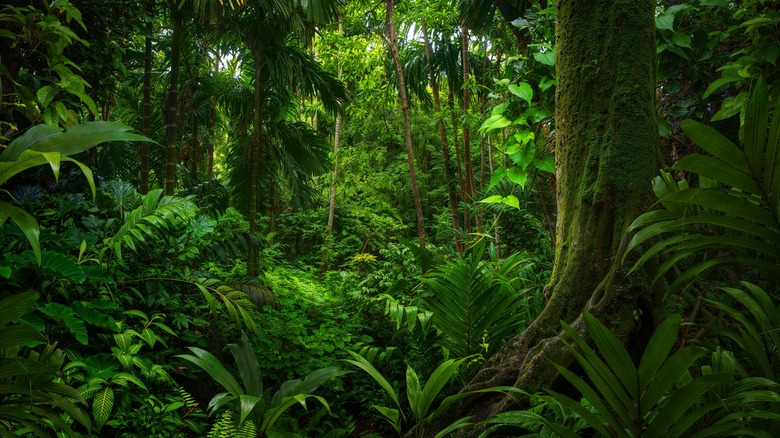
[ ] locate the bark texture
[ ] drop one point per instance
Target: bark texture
(606, 155)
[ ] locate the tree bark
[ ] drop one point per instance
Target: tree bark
(146, 124)
(606, 155)
(172, 101)
(445, 151)
(392, 39)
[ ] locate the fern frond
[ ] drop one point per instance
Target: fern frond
(235, 302)
(155, 215)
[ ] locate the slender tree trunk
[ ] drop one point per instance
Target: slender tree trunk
(172, 101)
(606, 155)
(146, 124)
(445, 151)
(458, 160)
(194, 149)
(324, 264)
(332, 203)
(496, 226)
(392, 39)
(467, 159)
(254, 161)
(212, 128)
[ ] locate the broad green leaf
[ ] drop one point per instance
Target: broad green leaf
(731, 106)
(16, 306)
(497, 177)
(76, 139)
(25, 222)
(517, 175)
(522, 90)
(545, 163)
(46, 94)
(715, 143)
(547, 57)
(102, 404)
(716, 84)
(493, 199)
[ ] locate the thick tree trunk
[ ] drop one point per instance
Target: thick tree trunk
(606, 155)
(146, 124)
(172, 101)
(445, 151)
(392, 38)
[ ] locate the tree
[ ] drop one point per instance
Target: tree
(445, 151)
(606, 155)
(392, 41)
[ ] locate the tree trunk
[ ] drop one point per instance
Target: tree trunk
(606, 156)
(332, 203)
(496, 226)
(467, 159)
(146, 124)
(254, 162)
(458, 161)
(392, 39)
(212, 127)
(172, 101)
(445, 151)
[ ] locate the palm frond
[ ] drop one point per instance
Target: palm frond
(734, 214)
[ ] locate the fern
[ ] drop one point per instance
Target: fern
(236, 303)
(155, 215)
(225, 428)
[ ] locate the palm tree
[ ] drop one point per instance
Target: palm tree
(280, 69)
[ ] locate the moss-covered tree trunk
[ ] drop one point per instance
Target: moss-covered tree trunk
(606, 155)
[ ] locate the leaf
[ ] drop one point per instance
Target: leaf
(545, 164)
(62, 266)
(363, 364)
(16, 306)
(522, 90)
(682, 40)
(66, 315)
(517, 175)
(497, 177)
(209, 363)
(102, 404)
(730, 107)
(717, 83)
(547, 57)
(46, 94)
(25, 222)
(77, 139)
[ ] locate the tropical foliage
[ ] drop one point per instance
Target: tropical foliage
(207, 211)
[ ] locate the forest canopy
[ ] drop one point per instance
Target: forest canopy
(330, 218)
